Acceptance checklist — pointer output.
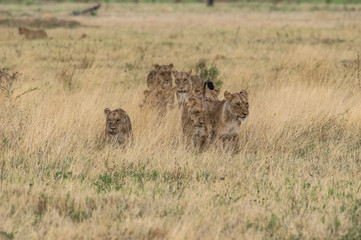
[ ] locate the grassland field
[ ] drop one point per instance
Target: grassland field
(297, 175)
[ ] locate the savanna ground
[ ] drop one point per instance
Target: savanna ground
(297, 175)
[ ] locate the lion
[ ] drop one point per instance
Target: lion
(152, 98)
(118, 128)
(224, 118)
(160, 77)
(189, 85)
(159, 99)
(207, 94)
(197, 125)
(193, 124)
(186, 84)
(32, 34)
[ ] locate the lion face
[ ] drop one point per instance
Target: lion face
(22, 30)
(116, 122)
(184, 85)
(196, 112)
(164, 75)
(152, 97)
(238, 103)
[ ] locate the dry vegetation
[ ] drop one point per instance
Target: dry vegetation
(297, 175)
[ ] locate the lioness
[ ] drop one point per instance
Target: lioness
(118, 128)
(160, 77)
(225, 119)
(160, 99)
(32, 34)
(186, 84)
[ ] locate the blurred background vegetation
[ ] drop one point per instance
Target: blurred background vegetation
(185, 1)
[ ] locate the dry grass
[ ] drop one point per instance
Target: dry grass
(296, 177)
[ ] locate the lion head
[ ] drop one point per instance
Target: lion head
(183, 80)
(22, 30)
(164, 75)
(238, 104)
(153, 98)
(118, 126)
(196, 112)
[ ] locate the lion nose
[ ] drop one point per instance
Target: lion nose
(200, 123)
(181, 90)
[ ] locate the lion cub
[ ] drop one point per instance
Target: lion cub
(185, 85)
(32, 34)
(118, 128)
(198, 127)
(160, 93)
(160, 77)
(159, 99)
(225, 117)
(194, 122)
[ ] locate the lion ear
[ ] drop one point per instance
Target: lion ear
(106, 111)
(190, 72)
(244, 93)
(227, 96)
(196, 91)
(175, 72)
(157, 67)
(170, 66)
(120, 111)
(191, 102)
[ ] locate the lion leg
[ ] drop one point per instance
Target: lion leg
(220, 143)
(200, 141)
(203, 143)
(234, 144)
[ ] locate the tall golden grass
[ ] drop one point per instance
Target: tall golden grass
(297, 175)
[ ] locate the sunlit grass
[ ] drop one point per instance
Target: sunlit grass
(297, 175)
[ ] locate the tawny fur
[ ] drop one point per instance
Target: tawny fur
(197, 127)
(159, 99)
(193, 116)
(189, 86)
(160, 77)
(223, 120)
(160, 93)
(32, 34)
(186, 84)
(118, 128)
